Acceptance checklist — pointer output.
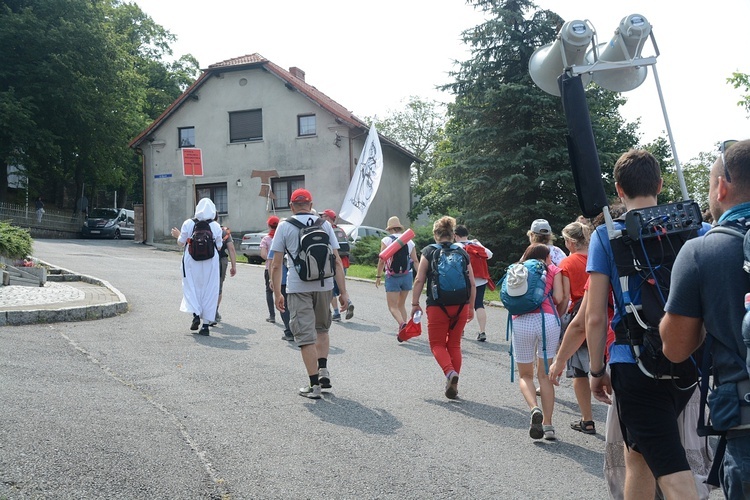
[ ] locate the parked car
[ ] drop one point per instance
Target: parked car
(353, 233)
(250, 246)
(109, 223)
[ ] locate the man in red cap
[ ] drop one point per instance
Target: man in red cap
(308, 300)
(330, 216)
(265, 247)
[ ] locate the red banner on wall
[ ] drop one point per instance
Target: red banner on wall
(192, 162)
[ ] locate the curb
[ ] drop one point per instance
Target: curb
(63, 314)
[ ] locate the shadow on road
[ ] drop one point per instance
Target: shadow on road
(348, 413)
(496, 415)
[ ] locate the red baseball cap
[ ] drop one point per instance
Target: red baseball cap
(301, 196)
(272, 221)
(330, 213)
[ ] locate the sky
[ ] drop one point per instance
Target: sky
(371, 56)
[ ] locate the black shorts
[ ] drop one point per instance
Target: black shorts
(479, 298)
(648, 411)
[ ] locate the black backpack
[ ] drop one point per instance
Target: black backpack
(315, 260)
(399, 260)
(344, 247)
(201, 244)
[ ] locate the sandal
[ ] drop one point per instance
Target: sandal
(585, 426)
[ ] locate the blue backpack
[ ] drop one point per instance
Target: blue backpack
(450, 275)
(523, 286)
(522, 291)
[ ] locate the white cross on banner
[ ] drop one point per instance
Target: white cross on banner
(365, 182)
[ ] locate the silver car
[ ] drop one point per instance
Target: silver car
(353, 233)
(250, 246)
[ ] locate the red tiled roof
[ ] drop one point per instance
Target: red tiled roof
(289, 79)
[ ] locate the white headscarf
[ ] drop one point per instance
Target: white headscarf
(206, 210)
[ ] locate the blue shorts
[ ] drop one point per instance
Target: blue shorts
(400, 283)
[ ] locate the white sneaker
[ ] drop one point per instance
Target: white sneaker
(311, 392)
(324, 378)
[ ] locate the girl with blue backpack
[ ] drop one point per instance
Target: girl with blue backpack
(536, 335)
(446, 270)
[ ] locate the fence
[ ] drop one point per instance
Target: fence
(51, 220)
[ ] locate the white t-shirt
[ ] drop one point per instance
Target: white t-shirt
(286, 241)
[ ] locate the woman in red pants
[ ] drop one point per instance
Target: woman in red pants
(445, 323)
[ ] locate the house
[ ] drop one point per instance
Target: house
(262, 132)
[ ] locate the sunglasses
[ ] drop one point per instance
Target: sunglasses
(723, 148)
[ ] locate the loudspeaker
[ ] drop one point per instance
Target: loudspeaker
(584, 158)
(549, 61)
(625, 46)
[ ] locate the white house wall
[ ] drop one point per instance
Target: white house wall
(325, 166)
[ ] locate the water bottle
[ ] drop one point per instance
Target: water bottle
(746, 329)
(418, 315)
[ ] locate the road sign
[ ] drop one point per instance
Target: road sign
(192, 162)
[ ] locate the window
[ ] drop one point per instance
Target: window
(306, 125)
(186, 137)
(283, 187)
(246, 125)
(217, 193)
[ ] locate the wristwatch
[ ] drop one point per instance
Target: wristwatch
(600, 373)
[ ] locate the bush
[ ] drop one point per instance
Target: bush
(366, 251)
(15, 242)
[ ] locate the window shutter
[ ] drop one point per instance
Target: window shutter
(245, 125)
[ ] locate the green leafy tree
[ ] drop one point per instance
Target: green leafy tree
(418, 127)
(741, 81)
(507, 162)
(75, 82)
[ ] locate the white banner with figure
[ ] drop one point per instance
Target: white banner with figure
(365, 182)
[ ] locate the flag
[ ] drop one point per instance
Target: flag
(365, 182)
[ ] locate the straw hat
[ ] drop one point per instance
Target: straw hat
(394, 223)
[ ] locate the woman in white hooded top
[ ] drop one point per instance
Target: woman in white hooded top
(200, 279)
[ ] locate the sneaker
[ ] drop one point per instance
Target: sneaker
(218, 317)
(336, 317)
(288, 337)
(481, 337)
(536, 431)
(350, 311)
(451, 386)
(310, 392)
(204, 331)
(271, 320)
(196, 322)
(549, 432)
(324, 378)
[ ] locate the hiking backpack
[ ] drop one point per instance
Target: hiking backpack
(344, 246)
(450, 275)
(533, 274)
(315, 260)
(201, 244)
(400, 260)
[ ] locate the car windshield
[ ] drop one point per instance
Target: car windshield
(103, 213)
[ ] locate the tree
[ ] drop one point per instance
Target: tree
(419, 128)
(75, 81)
(507, 162)
(741, 80)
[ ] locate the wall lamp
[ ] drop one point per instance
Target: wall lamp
(239, 183)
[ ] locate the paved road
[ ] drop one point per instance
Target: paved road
(137, 407)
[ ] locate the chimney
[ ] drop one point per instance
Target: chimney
(297, 73)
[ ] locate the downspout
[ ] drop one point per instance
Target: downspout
(139, 151)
